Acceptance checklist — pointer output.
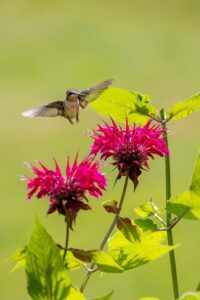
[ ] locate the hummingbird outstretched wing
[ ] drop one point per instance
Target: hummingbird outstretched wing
(52, 109)
(93, 92)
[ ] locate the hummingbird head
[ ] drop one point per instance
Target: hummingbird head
(71, 92)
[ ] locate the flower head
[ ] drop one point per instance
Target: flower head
(67, 194)
(130, 148)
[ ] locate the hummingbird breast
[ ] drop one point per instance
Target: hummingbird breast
(71, 108)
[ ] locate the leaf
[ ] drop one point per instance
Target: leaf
(46, 274)
(74, 294)
(103, 260)
(19, 256)
(111, 206)
(185, 108)
(119, 104)
(145, 210)
(128, 229)
(71, 262)
(190, 296)
(106, 263)
(145, 225)
(186, 205)
(131, 255)
(106, 297)
(82, 255)
(188, 200)
(152, 237)
(195, 185)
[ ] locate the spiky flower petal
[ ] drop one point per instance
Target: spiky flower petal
(129, 148)
(67, 193)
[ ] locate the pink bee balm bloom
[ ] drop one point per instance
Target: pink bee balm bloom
(130, 148)
(67, 194)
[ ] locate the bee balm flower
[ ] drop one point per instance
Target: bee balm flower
(67, 193)
(129, 148)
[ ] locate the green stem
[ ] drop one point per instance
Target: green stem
(168, 215)
(108, 233)
(66, 239)
(160, 219)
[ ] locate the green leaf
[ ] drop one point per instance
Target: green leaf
(188, 200)
(185, 108)
(120, 104)
(74, 294)
(106, 263)
(145, 224)
(71, 262)
(190, 296)
(106, 297)
(102, 259)
(19, 256)
(186, 204)
(195, 185)
(131, 255)
(129, 230)
(46, 274)
(153, 237)
(145, 210)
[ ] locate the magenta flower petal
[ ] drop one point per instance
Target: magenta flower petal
(67, 194)
(129, 148)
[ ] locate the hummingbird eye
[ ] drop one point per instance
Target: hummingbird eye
(70, 92)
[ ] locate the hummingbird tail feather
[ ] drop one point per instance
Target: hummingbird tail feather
(32, 113)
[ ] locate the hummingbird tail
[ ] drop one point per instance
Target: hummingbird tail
(32, 113)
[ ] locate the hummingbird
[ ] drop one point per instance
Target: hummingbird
(69, 108)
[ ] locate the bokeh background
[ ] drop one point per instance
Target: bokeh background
(48, 46)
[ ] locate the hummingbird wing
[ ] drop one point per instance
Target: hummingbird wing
(93, 92)
(52, 109)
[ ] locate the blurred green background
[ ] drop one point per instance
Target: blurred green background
(48, 46)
